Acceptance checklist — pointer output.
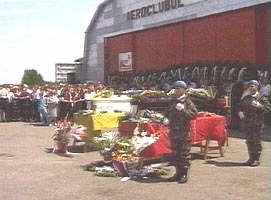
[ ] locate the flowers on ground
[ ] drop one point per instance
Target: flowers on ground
(124, 148)
(62, 132)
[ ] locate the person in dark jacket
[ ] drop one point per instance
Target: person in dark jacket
(252, 109)
(177, 117)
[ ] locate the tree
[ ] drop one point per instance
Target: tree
(32, 77)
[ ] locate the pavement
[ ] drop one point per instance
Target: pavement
(27, 172)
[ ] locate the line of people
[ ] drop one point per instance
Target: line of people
(44, 104)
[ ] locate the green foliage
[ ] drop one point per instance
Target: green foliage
(50, 83)
(62, 135)
(104, 94)
(106, 174)
(31, 77)
(92, 145)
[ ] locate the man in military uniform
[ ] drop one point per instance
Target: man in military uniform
(177, 117)
(252, 109)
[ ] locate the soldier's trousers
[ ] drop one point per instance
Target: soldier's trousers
(180, 145)
(253, 141)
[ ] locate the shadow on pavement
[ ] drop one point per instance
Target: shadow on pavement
(51, 150)
(79, 148)
(36, 124)
(199, 156)
(150, 180)
(225, 164)
(6, 155)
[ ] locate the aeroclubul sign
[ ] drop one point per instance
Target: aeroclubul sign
(158, 8)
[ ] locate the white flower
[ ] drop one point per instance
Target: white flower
(136, 131)
(139, 143)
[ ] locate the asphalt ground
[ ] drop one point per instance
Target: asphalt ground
(27, 172)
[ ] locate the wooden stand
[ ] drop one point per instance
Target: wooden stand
(205, 148)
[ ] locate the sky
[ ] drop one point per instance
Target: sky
(36, 34)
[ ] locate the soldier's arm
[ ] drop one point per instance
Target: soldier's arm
(266, 104)
(190, 111)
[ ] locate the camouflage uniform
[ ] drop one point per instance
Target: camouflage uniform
(253, 123)
(179, 133)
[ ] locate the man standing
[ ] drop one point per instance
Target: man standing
(3, 104)
(42, 107)
(181, 111)
(252, 109)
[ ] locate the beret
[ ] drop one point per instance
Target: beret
(253, 82)
(179, 84)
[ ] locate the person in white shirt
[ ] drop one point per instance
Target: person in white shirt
(52, 105)
(6, 96)
(3, 104)
(266, 88)
(36, 100)
(42, 107)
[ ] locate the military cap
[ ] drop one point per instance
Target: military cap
(179, 84)
(253, 82)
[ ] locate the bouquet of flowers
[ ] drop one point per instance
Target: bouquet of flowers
(62, 132)
(104, 94)
(199, 95)
(78, 131)
(124, 151)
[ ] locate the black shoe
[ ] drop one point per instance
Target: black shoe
(183, 178)
(248, 162)
(174, 178)
(255, 163)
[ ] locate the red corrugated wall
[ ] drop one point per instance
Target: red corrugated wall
(236, 36)
(261, 31)
(114, 46)
(160, 47)
(200, 40)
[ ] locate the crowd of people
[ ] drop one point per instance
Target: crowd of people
(44, 104)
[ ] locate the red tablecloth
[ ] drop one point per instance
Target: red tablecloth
(162, 145)
(202, 128)
(211, 127)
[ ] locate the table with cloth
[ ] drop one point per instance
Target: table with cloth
(202, 128)
(98, 121)
(208, 127)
